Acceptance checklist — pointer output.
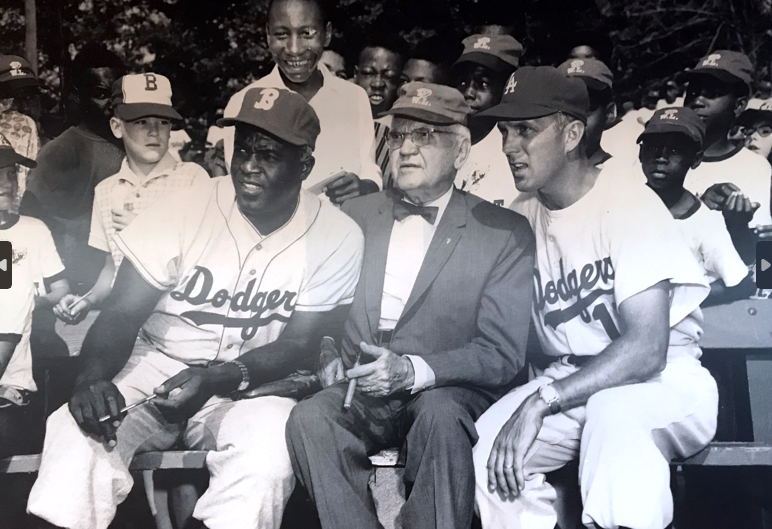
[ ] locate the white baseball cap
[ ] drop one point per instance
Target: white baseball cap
(143, 95)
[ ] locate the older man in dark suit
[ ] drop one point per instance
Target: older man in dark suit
(440, 319)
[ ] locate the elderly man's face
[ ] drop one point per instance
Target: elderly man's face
(426, 159)
(297, 36)
(266, 172)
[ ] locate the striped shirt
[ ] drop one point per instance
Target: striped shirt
(125, 190)
(382, 128)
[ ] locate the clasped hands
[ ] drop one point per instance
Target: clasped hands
(389, 373)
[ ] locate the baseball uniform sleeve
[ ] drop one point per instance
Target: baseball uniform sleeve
(720, 258)
(97, 237)
(334, 280)
(646, 247)
(49, 261)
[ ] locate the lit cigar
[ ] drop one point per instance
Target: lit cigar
(352, 386)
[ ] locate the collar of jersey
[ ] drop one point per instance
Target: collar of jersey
(164, 167)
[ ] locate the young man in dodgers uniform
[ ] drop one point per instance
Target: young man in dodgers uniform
(626, 391)
(236, 286)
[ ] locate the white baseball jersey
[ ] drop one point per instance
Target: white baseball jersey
(34, 253)
(706, 234)
(16, 304)
(228, 289)
(614, 242)
(745, 169)
(486, 172)
(126, 190)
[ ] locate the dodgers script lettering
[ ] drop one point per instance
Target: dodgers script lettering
(197, 292)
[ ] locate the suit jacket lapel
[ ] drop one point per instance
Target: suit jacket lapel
(446, 237)
(374, 266)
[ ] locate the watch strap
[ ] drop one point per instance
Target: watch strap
(244, 374)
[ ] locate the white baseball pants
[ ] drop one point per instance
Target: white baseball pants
(82, 481)
(624, 437)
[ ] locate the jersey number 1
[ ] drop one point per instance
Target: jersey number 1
(600, 313)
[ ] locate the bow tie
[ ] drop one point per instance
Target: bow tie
(403, 209)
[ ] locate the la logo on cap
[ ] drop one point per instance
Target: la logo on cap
(511, 84)
(16, 69)
(482, 43)
(576, 67)
(712, 60)
(422, 97)
(670, 113)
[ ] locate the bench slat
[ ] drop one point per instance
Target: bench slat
(731, 455)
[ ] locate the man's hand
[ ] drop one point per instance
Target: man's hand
(348, 186)
(93, 400)
(71, 310)
(716, 195)
(193, 390)
(739, 210)
(122, 218)
(507, 459)
(764, 233)
(388, 374)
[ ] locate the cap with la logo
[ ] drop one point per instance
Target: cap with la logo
(279, 112)
(143, 95)
(431, 103)
(535, 92)
(680, 120)
(16, 72)
(500, 53)
(728, 66)
(593, 72)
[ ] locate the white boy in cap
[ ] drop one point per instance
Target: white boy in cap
(143, 113)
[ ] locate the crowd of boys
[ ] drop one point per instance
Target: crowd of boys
(417, 220)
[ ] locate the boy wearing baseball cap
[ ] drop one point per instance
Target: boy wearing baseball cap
(143, 113)
(626, 391)
(718, 90)
(227, 286)
(756, 126)
(481, 72)
(671, 145)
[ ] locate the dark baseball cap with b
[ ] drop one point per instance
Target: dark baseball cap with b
(500, 53)
(279, 112)
(728, 66)
(431, 103)
(16, 72)
(680, 120)
(8, 156)
(143, 95)
(535, 92)
(593, 72)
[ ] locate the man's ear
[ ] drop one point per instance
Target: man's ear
(573, 134)
(116, 127)
(464, 146)
(697, 159)
(306, 166)
(356, 73)
(611, 114)
(267, 34)
(740, 104)
(327, 34)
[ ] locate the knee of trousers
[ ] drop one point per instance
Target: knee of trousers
(309, 420)
(610, 416)
(445, 423)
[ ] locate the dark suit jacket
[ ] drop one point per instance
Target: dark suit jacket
(468, 313)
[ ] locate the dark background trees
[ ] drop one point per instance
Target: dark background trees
(211, 48)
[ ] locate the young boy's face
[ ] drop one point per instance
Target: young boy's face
(146, 139)
(481, 86)
(297, 36)
(714, 101)
(421, 70)
(96, 92)
(666, 158)
(335, 63)
(378, 72)
(758, 136)
(8, 186)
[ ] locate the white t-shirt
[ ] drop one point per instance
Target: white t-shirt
(745, 169)
(598, 252)
(34, 252)
(486, 172)
(705, 232)
(346, 141)
(227, 288)
(16, 305)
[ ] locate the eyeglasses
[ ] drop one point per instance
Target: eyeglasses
(763, 130)
(420, 137)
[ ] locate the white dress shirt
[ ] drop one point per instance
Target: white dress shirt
(410, 239)
(346, 141)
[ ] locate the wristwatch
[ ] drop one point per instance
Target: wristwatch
(244, 375)
(550, 397)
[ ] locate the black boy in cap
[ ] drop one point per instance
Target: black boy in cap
(439, 340)
(617, 320)
(481, 72)
(671, 144)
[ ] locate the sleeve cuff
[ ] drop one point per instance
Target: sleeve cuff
(424, 375)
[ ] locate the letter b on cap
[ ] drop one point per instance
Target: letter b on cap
(268, 96)
(150, 82)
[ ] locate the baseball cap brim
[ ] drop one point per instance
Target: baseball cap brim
(16, 84)
(8, 156)
(515, 111)
(721, 75)
(750, 114)
(422, 115)
(132, 111)
(272, 129)
(661, 128)
(486, 59)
